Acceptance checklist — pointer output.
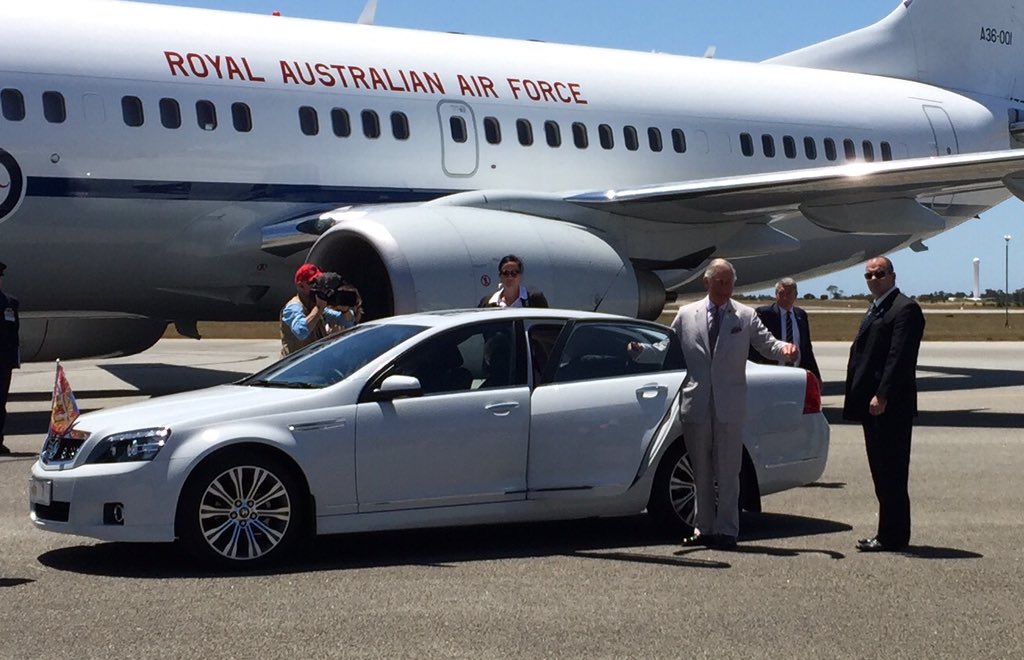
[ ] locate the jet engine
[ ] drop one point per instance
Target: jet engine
(417, 258)
(68, 337)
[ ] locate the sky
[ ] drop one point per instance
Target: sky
(749, 30)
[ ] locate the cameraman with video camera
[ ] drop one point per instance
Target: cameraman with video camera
(307, 317)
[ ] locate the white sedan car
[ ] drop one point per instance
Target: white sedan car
(447, 418)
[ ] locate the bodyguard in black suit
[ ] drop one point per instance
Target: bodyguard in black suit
(881, 393)
(10, 356)
(799, 329)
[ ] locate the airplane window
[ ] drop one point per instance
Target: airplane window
(789, 146)
(768, 145)
(170, 113)
(810, 148)
(525, 131)
(492, 130)
(679, 140)
(552, 133)
(746, 144)
(630, 138)
(849, 149)
(241, 117)
(886, 151)
(371, 124)
(869, 151)
(830, 149)
(206, 115)
(53, 107)
(458, 128)
(12, 104)
(579, 135)
(340, 123)
(400, 125)
(654, 138)
(606, 135)
(309, 121)
(131, 111)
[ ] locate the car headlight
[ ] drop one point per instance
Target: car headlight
(141, 445)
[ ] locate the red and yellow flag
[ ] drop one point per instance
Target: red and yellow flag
(64, 410)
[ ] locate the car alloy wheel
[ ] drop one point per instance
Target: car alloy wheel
(674, 493)
(242, 511)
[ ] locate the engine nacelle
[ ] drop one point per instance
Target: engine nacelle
(418, 258)
(65, 337)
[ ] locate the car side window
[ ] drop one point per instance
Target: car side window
(542, 337)
(600, 350)
(476, 357)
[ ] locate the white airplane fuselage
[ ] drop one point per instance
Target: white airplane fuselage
(169, 221)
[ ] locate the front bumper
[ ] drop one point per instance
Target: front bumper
(82, 499)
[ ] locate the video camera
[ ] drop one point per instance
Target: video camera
(332, 289)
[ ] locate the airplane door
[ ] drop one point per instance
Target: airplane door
(458, 138)
(942, 129)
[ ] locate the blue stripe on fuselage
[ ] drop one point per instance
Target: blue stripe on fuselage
(223, 191)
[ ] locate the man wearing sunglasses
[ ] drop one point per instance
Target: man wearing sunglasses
(10, 356)
(881, 394)
(511, 292)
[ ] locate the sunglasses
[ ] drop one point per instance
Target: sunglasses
(875, 274)
(509, 273)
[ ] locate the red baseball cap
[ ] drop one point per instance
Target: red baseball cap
(306, 274)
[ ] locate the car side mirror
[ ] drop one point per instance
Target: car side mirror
(397, 387)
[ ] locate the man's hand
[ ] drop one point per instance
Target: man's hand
(634, 349)
(790, 352)
(877, 405)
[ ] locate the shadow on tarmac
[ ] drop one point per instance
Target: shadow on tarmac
(624, 539)
(949, 379)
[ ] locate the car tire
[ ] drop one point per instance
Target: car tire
(673, 496)
(241, 511)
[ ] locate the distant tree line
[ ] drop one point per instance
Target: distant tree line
(1015, 299)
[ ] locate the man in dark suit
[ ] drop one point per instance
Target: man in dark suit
(10, 356)
(788, 323)
(881, 394)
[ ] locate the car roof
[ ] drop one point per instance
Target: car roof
(450, 317)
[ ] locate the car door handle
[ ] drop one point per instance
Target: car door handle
(501, 409)
(650, 391)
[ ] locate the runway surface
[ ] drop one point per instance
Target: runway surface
(795, 588)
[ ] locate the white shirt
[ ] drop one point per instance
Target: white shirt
(499, 300)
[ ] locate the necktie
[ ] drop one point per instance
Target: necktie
(867, 319)
(787, 332)
(713, 329)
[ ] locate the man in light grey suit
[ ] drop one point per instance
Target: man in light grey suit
(716, 334)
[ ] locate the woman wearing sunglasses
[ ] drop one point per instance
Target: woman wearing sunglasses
(511, 292)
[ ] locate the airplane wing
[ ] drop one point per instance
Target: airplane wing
(821, 194)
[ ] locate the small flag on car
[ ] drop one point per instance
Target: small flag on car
(64, 410)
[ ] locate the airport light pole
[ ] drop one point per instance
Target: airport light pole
(1006, 283)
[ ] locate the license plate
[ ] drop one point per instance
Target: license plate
(40, 491)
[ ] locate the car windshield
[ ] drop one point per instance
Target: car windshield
(334, 359)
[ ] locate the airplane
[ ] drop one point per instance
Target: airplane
(162, 164)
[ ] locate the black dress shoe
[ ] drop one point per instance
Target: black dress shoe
(725, 542)
(874, 545)
(4, 450)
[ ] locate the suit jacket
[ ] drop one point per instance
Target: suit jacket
(10, 356)
(726, 372)
(534, 298)
(883, 359)
(771, 316)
